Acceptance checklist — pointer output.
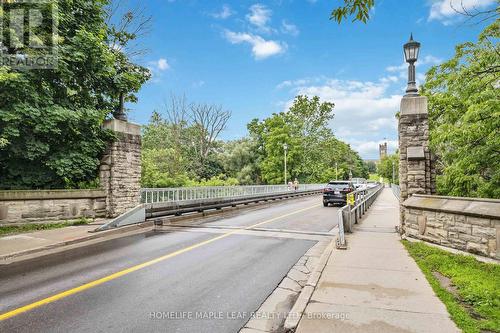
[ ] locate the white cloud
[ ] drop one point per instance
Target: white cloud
(364, 111)
(430, 60)
(402, 70)
(156, 68)
(198, 84)
(162, 64)
(299, 82)
(444, 10)
(370, 148)
(289, 28)
(261, 48)
(260, 16)
(224, 13)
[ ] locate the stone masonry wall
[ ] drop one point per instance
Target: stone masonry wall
(471, 225)
(416, 172)
(119, 173)
(120, 170)
(50, 205)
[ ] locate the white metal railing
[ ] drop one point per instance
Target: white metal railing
(396, 190)
(153, 195)
(352, 213)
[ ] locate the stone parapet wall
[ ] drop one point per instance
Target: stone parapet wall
(119, 175)
(467, 224)
(49, 205)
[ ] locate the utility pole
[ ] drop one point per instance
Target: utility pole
(336, 171)
(285, 148)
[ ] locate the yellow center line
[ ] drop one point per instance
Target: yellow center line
(116, 275)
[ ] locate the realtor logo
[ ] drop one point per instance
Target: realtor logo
(28, 34)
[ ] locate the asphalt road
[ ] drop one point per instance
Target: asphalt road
(187, 282)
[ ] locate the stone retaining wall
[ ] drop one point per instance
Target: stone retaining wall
(45, 205)
(466, 224)
(119, 175)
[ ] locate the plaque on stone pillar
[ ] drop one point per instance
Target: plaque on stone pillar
(415, 153)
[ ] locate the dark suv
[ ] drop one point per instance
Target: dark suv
(336, 192)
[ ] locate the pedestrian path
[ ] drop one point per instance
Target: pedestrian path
(374, 285)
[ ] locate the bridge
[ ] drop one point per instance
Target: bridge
(244, 259)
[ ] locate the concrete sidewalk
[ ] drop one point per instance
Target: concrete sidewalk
(374, 285)
(28, 245)
(27, 241)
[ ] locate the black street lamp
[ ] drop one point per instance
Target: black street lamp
(411, 50)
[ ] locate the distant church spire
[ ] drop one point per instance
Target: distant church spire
(382, 149)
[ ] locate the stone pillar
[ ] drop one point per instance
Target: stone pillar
(120, 170)
(416, 174)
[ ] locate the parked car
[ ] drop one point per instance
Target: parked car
(360, 184)
(336, 192)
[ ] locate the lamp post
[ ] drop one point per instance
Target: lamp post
(411, 50)
(285, 148)
(393, 172)
(336, 171)
(120, 111)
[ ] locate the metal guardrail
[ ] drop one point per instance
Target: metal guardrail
(396, 190)
(176, 194)
(351, 214)
(217, 199)
(160, 209)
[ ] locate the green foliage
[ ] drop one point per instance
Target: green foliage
(50, 119)
(170, 159)
(50, 147)
(169, 156)
(477, 307)
(240, 160)
(358, 9)
(219, 180)
(385, 167)
(372, 166)
(465, 118)
(313, 150)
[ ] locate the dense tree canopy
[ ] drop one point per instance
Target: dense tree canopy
(50, 119)
(465, 118)
(170, 155)
(313, 150)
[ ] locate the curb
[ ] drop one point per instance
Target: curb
(292, 321)
(143, 227)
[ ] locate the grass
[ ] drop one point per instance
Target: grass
(29, 227)
(475, 306)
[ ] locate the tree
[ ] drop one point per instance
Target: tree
(387, 165)
(359, 9)
(181, 144)
(372, 166)
(207, 122)
(465, 118)
(313, 150)
(240, 160)
(50, 118)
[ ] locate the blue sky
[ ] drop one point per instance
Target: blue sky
(253, 57)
